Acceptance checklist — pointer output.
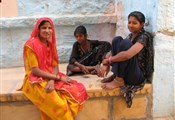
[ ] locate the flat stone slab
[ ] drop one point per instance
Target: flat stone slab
(12, 79)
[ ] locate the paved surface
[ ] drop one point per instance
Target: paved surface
(12, 79)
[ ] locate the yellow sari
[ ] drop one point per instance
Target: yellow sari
(59, 105)
(64, 102)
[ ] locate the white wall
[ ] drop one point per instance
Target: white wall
(99, 18)
(124, 7)
(164, 79)
(65, 7)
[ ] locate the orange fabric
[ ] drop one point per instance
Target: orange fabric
(75, 89)
(57, 105)
(61, 104)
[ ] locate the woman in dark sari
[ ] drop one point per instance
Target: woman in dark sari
(86, 54)
(131, 59)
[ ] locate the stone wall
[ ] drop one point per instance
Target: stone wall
(15, 33)
(105, 18)
(164, 79)
(65, 7)
(98, 17)
(124, 7)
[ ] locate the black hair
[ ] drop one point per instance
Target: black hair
(81, 30)
(42, 23)
(138, 15)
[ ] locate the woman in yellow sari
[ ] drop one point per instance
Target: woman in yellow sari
(57, 96)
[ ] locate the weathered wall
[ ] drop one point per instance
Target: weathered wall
(164, 79)
(100, 18)
(65, 7)
(13, 39)
(124, 7)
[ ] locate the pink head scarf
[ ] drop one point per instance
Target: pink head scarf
(35, 31)
(34, 40)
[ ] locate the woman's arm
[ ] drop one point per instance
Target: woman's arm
(121, 56)
(32, 62)
(125, 55)
(38, 72)
(81, 67)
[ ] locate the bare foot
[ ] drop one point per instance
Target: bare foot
(109, 79)
(114, 84)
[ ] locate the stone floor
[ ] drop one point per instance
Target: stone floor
(12, 79)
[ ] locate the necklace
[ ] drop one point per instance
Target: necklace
(86, 47)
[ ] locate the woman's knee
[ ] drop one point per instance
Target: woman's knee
(116, 44)
(125, 44)
(116, 40)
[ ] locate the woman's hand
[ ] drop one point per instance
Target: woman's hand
(105, 61)
(84, 69)
(66, 79)
(103, 70)
(50, 86)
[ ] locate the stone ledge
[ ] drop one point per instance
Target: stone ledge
(19, 96)
(59, 20)
(12, 80)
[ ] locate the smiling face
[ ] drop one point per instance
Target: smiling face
(45, 31)
(134, 25)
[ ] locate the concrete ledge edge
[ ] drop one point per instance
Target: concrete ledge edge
(14, 97)
(59, 20)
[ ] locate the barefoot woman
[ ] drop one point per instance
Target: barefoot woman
(131, 59)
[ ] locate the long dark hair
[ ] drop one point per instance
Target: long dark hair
(138, 15)
(81, 30)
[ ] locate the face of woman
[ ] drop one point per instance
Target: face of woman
(45, 31)
(134, 25)
(80, 38)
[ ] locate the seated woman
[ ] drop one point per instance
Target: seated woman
(56, 95)
(131, 59)
(86, 54)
